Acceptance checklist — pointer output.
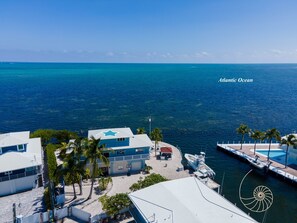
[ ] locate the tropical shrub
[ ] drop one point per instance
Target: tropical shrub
(114, 204)
(147, 169)
(53, 136)
(47, 198)
(103, 183)
(46, 135)
(147, 181)
(51, 161)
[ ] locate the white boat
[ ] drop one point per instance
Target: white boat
(255, 162)
(197, 163)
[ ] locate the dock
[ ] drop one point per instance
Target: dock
(274, 168)
(207, 181)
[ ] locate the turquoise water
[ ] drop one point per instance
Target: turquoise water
(187, 101)
(273, 153)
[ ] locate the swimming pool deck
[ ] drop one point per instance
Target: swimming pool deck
(278, 169)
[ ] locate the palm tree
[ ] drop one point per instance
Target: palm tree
(70, 170)
(93, 154)
(78, 149)
(289, 140)
(257, 135)
(141, 131)
(242, 130)
(156, 135)
(271, 134)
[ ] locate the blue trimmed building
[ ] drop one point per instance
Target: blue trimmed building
(126, 152)
(20, 162)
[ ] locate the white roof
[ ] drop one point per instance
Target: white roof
(186, 200)
(294, 134)
(18, 160)
(110, 133)
(14, 138)
(137, 141)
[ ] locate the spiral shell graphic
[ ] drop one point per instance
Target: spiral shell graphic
(261, 199)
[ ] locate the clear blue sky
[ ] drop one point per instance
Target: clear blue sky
(197, 31)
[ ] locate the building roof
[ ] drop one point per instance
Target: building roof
(14, 138)
(18, 160)
(166, 150)
(185, 200)
(137, 141)
(111, 133)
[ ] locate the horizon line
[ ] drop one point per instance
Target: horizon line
(68, 62)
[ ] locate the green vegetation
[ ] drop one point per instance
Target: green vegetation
(147, 181)
(46, 135)
(147, 169)
(64, 135)
(53, 136)
(157, 136)
(271, 134)
(94, 152)
(87, 174)
(140, 131)
(103, 183)
(72, 170)
(51, 162)
(289, 140)
(114, 204)
(47, 198)
(242, 130)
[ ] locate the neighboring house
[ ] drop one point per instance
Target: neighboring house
(20, 162)
(126, 152)
(184, 200)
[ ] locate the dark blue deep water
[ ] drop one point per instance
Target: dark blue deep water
(187, 101)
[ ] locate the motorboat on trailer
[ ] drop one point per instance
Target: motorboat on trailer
(197, 163)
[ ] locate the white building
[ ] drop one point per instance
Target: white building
(184, 200)
(126, 152)
(20, 162)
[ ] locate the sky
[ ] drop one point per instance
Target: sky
(149, 31)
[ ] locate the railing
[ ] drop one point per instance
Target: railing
(249, 142)
(20, 175)
(129, 157)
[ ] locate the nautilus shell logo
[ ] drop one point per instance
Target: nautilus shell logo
(261, 199)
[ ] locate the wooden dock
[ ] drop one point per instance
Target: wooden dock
(289, 174)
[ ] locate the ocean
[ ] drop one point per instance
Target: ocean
(195, 106)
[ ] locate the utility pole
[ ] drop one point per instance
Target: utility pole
(14, 212)
(150, 126)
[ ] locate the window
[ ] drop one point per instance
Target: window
(30, 169)
(0, 150)
(121, 152)
(8, 173)
(120, 167)
(21, 147)
(121, 139)
(139, 150)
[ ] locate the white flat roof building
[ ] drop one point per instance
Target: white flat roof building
(113, 133)
(14, 160)
(20, 162)
(185, 200)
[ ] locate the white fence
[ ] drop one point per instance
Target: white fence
(58, 214)
(80, 214)
(62, 213)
